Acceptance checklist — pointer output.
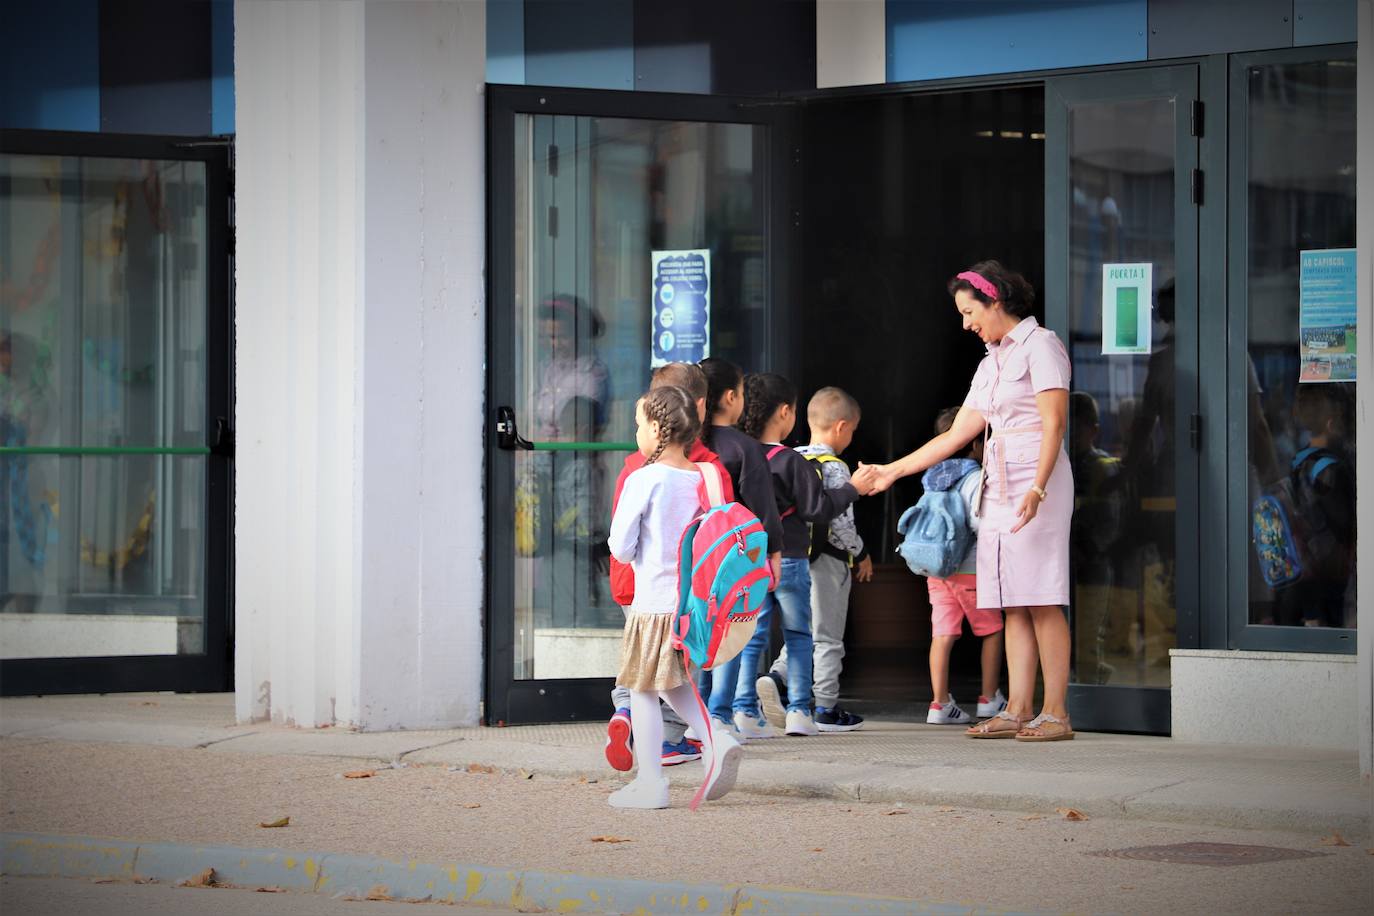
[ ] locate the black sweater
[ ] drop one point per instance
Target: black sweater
(743, 459)
(798, 487)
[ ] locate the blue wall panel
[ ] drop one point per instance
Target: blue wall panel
(506, 41)
(1323, 22)
(580, 43)
(933, 39)
(50, 65)
(222, 67)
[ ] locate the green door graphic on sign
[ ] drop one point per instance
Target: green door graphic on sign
(1127, 316)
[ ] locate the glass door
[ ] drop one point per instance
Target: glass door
(1121, 281)
(627, 230)
(114, 403)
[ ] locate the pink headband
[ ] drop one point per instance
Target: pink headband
(980, 283)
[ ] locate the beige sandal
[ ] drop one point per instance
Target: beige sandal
(1002, 725)
(1046, 727)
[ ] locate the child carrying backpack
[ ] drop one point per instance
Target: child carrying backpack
(658, 504)
(940, 543)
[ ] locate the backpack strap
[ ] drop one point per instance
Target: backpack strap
(711, 482)
(768, 456)
(1320, 465)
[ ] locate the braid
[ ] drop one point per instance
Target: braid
(764, 393)
(675, 413)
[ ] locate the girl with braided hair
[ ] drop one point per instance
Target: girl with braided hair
(657, 504)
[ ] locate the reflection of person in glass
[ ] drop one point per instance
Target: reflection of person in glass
(1096, 527)
(1323, 481)
(22, 518)
(571, 368)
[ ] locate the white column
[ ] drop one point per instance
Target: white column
(360, 330)
(1364, 384)
(851, 42)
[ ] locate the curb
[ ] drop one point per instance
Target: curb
(336, 875)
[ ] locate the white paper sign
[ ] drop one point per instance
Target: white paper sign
(1127, 308)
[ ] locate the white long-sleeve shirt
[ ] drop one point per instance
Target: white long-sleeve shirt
(656, 506)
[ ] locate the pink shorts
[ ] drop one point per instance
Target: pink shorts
(953, 599)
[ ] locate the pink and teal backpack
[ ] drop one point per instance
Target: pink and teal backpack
(723, 578)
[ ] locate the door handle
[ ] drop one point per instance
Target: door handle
(224, 438)
(507, 434)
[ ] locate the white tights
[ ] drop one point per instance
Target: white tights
(646, 722)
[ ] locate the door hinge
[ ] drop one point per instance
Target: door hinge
(1197, 186)
(553, 160)
(553, 222)
(1197, 124)
(1195, 431)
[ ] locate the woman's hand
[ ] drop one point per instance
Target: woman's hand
(874, 478)
(1030, 504)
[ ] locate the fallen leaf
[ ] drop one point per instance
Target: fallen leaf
(472, 805)
(204, 879)
(817, 849)
(1033, 817)
(106, 880)
(140, 879)
(896, 811)
(609, 839)
(480, 768)
(148, 703)
(1128, 887)
(270, 890)
(526, 774)
(360, 774)
(1335, 839)
(1072, 814)
(592, 782)
(279, 822)
(944, 808)
(1370, 850)
(378, 892)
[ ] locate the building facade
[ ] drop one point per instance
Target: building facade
(331, 411)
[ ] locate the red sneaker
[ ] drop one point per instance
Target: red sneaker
(619, 741)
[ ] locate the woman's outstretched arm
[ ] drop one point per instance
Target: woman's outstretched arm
(967, 425)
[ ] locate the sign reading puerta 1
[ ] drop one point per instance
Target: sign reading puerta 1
(682, 307)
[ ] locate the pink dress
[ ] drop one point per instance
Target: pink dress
(1030, 567)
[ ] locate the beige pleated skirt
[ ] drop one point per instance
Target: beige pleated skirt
(648, 661)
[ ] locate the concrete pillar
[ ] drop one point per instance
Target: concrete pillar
(1364, 383)
(360, 348)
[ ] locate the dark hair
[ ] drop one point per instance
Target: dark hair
(676, 415)
(1013, 291)
(687, 376)
(1318, 407)
(721, 376)
(569, 308)
(764, 393)
(944, 420)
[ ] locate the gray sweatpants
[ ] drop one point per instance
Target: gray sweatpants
(830, 580)
(673, 727)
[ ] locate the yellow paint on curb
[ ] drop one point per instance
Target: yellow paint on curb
(703, 904)
(290, 863)
(310, 868)
(474, 883)
(568, 905)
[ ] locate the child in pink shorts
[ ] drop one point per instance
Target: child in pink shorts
(955, 598)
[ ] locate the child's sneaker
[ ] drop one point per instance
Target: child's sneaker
(641, 793)
(947, 714)
(682, 752)
(722, 764)
(800, 724)
(837, 719)
(989, 708)
(772, 692)
(725, 725)
(753, 725)
(619, 741)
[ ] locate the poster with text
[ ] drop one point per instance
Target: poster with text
(682, 306)
(1327, 309)
(1127, 315)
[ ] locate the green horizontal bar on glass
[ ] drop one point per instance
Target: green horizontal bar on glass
(585, 446)
(96, 450)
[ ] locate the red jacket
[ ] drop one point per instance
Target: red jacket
(622, 574)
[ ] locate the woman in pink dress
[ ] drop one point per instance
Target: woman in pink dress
(1019, 402)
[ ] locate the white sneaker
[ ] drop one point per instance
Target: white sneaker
(800, 724)
(751, 727)
(641, 793)
(725, 725)
(989, 708)
(721, 764)
(947, 714)
(690, 734)
(772, 698)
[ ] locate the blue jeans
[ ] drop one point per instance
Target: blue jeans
(721, 682)
(793, 598)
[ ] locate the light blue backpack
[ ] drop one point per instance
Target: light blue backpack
(936, 532)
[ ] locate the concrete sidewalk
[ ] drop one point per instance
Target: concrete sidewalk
(1152, 779)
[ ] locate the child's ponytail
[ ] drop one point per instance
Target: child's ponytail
(676, 415)
(721, 376)
(764, 393)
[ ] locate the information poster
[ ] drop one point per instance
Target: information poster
(1326, 324)
(682, 306)
(1127, 315)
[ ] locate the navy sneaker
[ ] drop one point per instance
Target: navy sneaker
(837, 719)
(682, 752)
(619, 741)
